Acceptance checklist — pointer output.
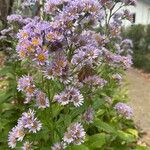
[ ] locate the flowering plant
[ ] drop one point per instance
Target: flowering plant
(75, 58)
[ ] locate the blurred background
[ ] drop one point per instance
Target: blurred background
(137, 78)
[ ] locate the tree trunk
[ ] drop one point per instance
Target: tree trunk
(5, 10)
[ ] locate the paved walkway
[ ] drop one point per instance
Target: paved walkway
(139, 94)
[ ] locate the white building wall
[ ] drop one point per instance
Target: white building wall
(142, 13)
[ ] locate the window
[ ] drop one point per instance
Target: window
(134, 18)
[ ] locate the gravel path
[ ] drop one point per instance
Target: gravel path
(139, 94)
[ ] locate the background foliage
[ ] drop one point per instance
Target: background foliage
(140, 35)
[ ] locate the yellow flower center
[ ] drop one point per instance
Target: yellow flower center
(35, 41)
(25, 35)
(30, 90)
(22, 54)
(41, 57)
(49, 37)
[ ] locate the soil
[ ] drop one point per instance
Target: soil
(139, 94)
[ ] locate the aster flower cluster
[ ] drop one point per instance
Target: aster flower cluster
(34, 41)
(70, 95)
(26, 124)
(27, 3)
(71, 56)
(75, 134)
(51, 5)
(118, 60)
(15, 18)
(86, 55)
(59, 146)
(26, 85)
(94, 81)
(124, 110)
(57, 68)
(88, 116)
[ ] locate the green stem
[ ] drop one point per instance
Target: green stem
(51, 110)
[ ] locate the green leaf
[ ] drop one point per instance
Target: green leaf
(56, 109)
(67, 120)
(6, 106)
(100, 112)
(133, 132)
(125, 136)
(142, 148)
(4, 96)
(78, 147)
(96, 141)
(5, 70)
(104, 126)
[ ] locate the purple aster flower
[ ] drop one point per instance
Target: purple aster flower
(34, 126)
(36, 41)
(66, 78)
(41, 100)
(127, 61)
(117, 77)
(53, 36)
(92, 53)
(70, 94)
(24, 34)
(75, 134)
(12, 140)
(59, 146)
(84, 39)
(88, 116)
(27, 146)
(20, 133)
(75, 96)
(124, 109)
(41, 57)
(78, 58)
(128, 15)
(26, 118)
(62, 98)
(25, 84)
(126, 44)
(16, 134)
(94, 81)
(22, 50)
(29, 121)
(57, 67)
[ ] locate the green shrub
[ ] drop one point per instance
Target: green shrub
(140, 36)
